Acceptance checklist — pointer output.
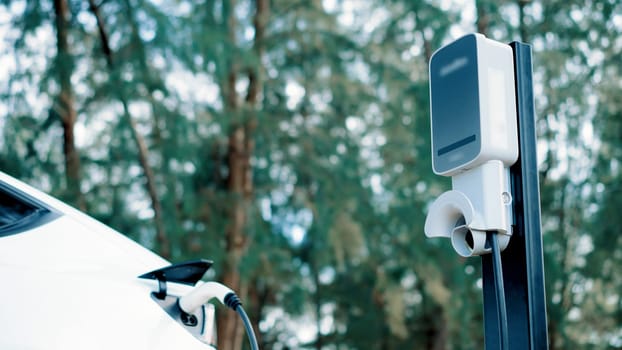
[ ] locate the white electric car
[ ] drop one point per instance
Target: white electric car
(68, 282)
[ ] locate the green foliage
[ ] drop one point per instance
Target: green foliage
(341, 172)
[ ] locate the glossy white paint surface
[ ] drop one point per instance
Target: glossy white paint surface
(72, 284)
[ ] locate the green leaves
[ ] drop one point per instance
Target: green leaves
(337, 140)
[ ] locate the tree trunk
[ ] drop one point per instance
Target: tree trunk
(240, 179)
(262, 12)
(317, 300)
(152, 83)
(427, 49)
(66, 108)
(482, 17)
(521, 17)
(143, 152)
(240, 187)
(259, 295)
(553, 334)
(440, 339)
(235, 240)
(436, 331)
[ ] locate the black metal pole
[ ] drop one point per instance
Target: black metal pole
(523, 266)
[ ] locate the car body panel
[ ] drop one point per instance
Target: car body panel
(72, 283)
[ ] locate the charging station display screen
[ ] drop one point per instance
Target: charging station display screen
(456, 137)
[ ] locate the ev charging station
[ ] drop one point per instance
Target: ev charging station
(483, 136)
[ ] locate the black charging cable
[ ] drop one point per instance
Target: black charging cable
(493, 241)
(233, 302)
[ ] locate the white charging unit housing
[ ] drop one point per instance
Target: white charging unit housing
(474, 140)
(473, 108)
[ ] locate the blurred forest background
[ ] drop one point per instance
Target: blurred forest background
(288, 141)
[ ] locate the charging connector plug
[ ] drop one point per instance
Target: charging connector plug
(210, 290)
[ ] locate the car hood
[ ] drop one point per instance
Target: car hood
(72, 283)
